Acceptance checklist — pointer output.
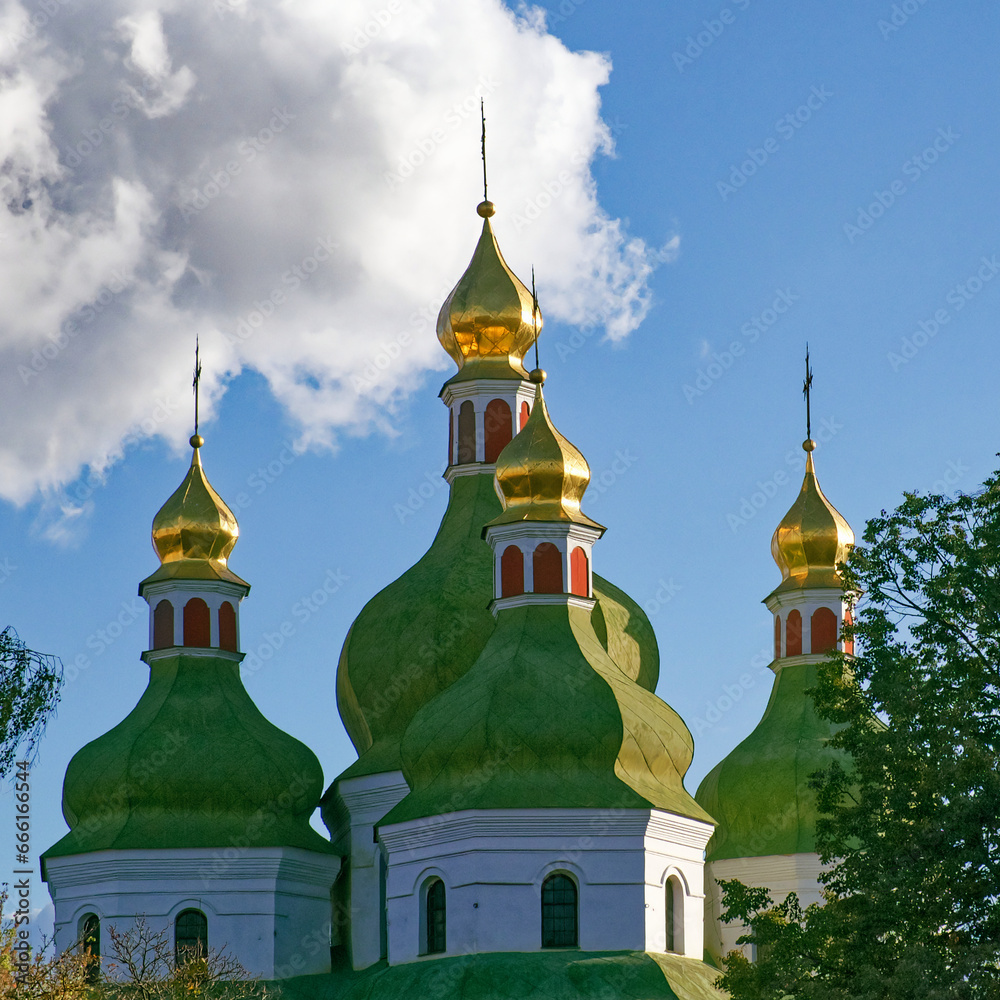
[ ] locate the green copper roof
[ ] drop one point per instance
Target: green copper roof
(759, 794)
(194, 764)
(422, 632)
(545, 718)
(555, 975)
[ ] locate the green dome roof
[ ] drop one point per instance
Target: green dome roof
(545, 718)
(194, 764)
(553, 975)
(422, 632)
(759, 795)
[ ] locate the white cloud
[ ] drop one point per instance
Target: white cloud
(296, 183)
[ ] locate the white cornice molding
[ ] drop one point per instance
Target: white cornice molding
(469, 469)
(479, 387)
(161, 588)
(150, 656)
(524, 600)
(818, 596)
(369, 797)
(503, 825)
(287, 864)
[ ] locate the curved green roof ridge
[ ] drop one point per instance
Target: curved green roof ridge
(545, 718)
(194, 764)
(759, 795)
(552, 975)
(425, 629)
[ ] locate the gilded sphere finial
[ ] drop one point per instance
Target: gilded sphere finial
(485, 209)
(538, 376)
(808, 445)
(196, 441)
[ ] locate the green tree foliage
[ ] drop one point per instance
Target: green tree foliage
(912, 831)
(29, 692)
(140, 965)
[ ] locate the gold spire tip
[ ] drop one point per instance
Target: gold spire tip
(538, 376)
(486, 209)
(196, 441)
(808, 445)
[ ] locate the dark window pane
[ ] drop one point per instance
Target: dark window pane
(190, 936)
(559, 912)
(436, 938)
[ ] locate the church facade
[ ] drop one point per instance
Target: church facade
(517, 811)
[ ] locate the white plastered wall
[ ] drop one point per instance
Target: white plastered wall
(780, 873)
(493, 864)
(269, 907)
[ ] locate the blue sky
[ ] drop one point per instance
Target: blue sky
(826, 175)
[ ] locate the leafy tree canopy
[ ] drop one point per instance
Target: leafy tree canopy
(912, 831)
(29, 693)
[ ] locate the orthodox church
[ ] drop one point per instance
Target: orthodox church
(516, 821)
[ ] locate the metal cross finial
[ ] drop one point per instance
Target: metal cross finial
(534, 313)
(482, 115)
(806, 386)
(197, 381)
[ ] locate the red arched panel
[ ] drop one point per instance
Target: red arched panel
(777, 637)
(197, 623)
(848, 643)
(824, 630)
(163, 625)
(525, 413)
(579, 573)
(498, 428)
(227, 627)
(793, 634)
(547, 568)
(466, 433)
(511, 571)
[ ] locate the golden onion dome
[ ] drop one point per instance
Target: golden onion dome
(813, 537)
(540, 476)
(486, 323)
(194, 531)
